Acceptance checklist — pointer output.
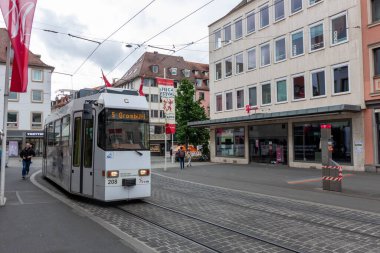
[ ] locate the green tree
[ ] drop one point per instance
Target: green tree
(188, 110)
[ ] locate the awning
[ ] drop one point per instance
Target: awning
(278, 115)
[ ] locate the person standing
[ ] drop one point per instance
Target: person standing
(26, 154)
(181, 157)
(188, 155)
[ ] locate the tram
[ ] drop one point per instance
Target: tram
(97, 145)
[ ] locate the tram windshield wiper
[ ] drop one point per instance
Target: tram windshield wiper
(138, 152)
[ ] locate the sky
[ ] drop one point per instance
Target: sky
(98, 19)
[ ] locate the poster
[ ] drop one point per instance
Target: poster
(13, 148)
(166, 87)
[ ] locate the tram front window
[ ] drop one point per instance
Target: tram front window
(123, 130)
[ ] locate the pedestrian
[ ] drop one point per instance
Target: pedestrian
(188, 155)
(181, 157)
(26, 154)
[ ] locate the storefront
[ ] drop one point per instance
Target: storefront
(16, 140)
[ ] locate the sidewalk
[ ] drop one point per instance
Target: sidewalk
(360, 190)
(33, 221)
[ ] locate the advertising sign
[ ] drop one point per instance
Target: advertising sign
(166, 87)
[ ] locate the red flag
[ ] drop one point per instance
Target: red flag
(170, 128)
(108, 84)
(141, 93)
(18, 16)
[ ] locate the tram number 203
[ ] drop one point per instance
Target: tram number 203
(112, 181)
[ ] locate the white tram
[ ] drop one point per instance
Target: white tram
(97, 146)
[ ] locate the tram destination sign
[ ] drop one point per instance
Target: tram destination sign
(127, 115)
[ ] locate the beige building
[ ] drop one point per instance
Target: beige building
(298, 63)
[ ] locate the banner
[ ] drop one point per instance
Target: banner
(106, 82)
(18, 17)
(166, 87)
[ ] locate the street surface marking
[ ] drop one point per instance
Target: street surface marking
(19, 198)
(312, 180)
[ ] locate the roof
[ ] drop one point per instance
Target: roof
(236, 8)
(34, 59)
(143, 68)
(278, 115)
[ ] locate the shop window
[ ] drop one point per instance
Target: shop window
(219, 103)
(37, 75)
(218, 71)
(307, 138)
(266, 97)
(228, 66)
(230, 142)
(279, 10)
(240, 99)
(251, 22)
(282, 93)
(339, 29)
(298, 87)
(376, 61)
(238, 29)
(12, 119)
(341, 79)
(316, 37)
(252, 92)
(218, 39)
(297, 43)
(229, 101)
(280, 50)
(36, 120)
(375, 10)
(239, 63)
(251, 58)
(264, 16)
(318, 83)
(227, 34)
(295, 6)
(37, 96)
(265, 55)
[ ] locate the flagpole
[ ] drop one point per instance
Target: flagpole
(165, 125)
(3, 199)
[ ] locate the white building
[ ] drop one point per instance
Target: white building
(26, 111)
(297, 61)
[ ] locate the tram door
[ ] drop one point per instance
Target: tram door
(82, 169)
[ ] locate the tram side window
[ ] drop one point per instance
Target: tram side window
(88, 141)
(57, 132)
(77, 140)
(65, 131)
(50, 134)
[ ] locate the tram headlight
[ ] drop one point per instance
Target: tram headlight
(113, 173)
(144, 172)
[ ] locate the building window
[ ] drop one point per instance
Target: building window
(339, 32)
(341, 79)
(37, 75)
(376, 61)
(218, 71)
(252, 93)
(218, 39)
(201, 95)
(229, 101)
(265, 55)
(307, 138)
(266, 94)
(251, 58)
(238, 29)
(239, 63)
(37, 96)
(251, 23)
(12, 120)
(318, 83)
(282, 94)
(375, 10)
(150, 82)
(162, 114)
(198, 82)
(155, 69)
(228, 66)
(295, 5)
(264, 16)
(280, 50)
(316, 37)
(297, 43)
(147, 97)
(240, 99)
(154, 113)
(196, 72)
(36, 120)
(154, 98)
(279, 10)
(298, 87)
(312, 2)
(173, 71)
(219, 103)
(186, 72)
(227, 34)
(230, 142)
(13, 96)
(207, 83)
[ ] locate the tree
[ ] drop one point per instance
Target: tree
(188, 110)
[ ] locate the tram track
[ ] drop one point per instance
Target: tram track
(222, 230)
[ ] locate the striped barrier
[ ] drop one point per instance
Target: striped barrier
(337, 179)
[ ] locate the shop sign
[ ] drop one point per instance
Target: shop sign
(156, 148)
(35, 134)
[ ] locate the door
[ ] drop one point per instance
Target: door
(87, 157)
(77, 154)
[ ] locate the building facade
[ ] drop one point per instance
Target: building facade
(153, 65)
(26, 111)
(371, 70)
(296, 64)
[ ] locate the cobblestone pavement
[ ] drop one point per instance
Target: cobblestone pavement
(300, 226)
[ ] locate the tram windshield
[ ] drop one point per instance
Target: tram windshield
(123, 130)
